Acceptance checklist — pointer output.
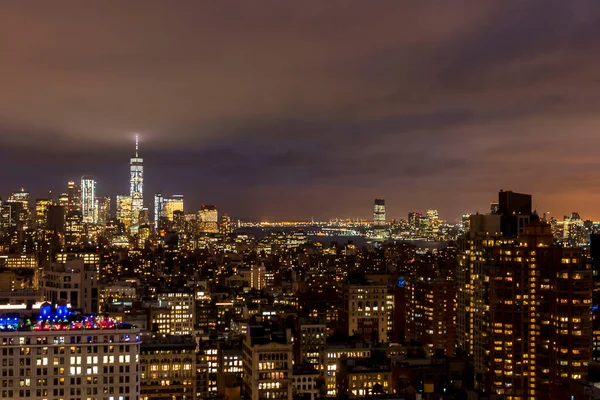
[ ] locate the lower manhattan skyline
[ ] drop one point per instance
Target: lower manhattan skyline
(254, 112)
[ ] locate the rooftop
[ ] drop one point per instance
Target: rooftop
(59, 319)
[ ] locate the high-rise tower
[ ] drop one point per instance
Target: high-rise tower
(88, 199)
(159, 202)
(136, 183)
(379, 218)
(73, 197)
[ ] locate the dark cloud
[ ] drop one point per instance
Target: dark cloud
(279, 109)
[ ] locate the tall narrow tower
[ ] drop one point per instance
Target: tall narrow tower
(88, 198)
(379, 228)
(136, 183)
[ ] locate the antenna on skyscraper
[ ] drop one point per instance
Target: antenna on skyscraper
(137, 144)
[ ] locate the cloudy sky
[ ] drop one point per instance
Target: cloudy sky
(289, 109)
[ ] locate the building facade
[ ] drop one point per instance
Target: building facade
(88, 200)
(168, 368)
(267, 366)
(92, 359)
(364, 311)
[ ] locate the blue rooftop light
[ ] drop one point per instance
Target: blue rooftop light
(62, 311)
(45, 310)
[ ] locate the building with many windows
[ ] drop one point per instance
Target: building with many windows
(168, 368)
(430, 313)
(73, 281)
(364, 310)
(209, 219)
(267, 362)
(124, 210)
(72, 358)
(175, 314)
(171, 206)
(379, 223)
(88, 200)
(525, 313)
(309, 346)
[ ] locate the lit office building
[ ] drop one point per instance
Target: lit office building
(20, 197)
(379, 224)
(431, 224)
(158, 208)
(74, 230)
(6, 220)
(171, 205)
(333, 354)
(175, 315)
(267, 361)
(168, 368)
(363, 380)
(258, 276)
(225, 228)
(41, 212)
(73, 281)
(88, 200)
(103, 214)
(91, 260)
(430, 313)
(364, 311)
(73, 197)
(209, 219)
(63, 200)
(414, 221)
(230, 368)
(19, 208)
(24, 266)
(77, 357)
(124, 210)
(309, 344)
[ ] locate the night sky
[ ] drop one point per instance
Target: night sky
(290, 109)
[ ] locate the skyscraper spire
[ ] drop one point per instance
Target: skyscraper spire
(136, 183)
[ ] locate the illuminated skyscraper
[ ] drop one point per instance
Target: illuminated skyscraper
(432, 224)
(136, 184)
(225, 228)
(73, 229)
(209, 219)
(73, 196)
(171, 205)
(88, 199)
(41, 211)
(379, 218)
(414, 221)
(20, 197)
(103, 210)
(124, 214)
(19, 202)
(158, 208)
(63, 200)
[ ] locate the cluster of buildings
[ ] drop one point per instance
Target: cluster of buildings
(101, 306)
(426, 226)
(79, 215)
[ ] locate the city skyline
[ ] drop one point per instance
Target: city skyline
(315, 200)
(370, 102)
(366, 214)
